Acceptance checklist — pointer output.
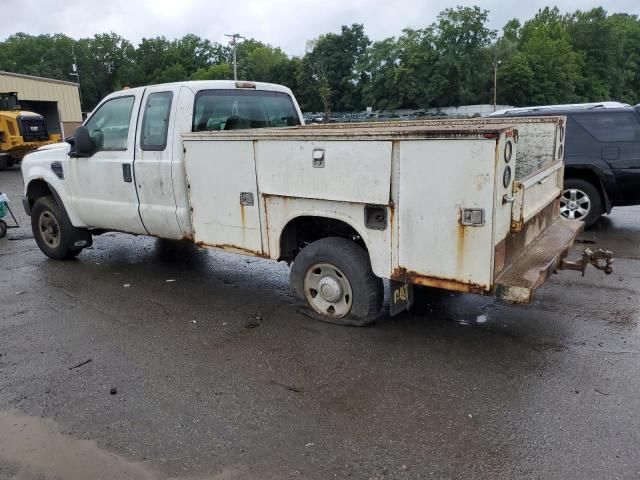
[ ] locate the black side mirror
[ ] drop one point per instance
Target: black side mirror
(83, 144)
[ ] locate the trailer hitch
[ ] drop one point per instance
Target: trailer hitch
(593, 257)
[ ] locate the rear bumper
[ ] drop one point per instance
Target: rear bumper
(542, 257)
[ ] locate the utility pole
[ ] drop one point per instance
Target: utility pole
(496, 62)
(76, 73)
(234, 41)
(495, 82)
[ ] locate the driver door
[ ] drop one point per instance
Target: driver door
(102, 186)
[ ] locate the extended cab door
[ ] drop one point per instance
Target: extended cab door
(155, 151)
(101, 186)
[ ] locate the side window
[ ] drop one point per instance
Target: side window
(611, 126)
(155, 123)
(109, 126)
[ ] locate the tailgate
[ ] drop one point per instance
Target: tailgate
(532, 194)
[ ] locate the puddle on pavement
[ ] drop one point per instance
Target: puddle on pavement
(33, 448)
(36, 449)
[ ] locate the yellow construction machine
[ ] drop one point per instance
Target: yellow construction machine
(20, 131)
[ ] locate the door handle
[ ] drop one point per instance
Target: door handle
(126, 172)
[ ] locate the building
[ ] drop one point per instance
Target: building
(56, 100)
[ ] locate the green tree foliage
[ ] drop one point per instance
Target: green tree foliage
(462, 40)
(553, 57)
(329, 76)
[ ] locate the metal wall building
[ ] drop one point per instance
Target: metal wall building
(58, 101)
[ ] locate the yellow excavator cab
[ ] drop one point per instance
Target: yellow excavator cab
(21, 131)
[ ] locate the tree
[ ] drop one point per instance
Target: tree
(462, 40)
(331, 65)
(105, 62)
(546, 48)
(515, 80)
(221, 71)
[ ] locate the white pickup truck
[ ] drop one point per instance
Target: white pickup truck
(470, 206)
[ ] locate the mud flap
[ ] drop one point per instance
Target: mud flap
(400, 297)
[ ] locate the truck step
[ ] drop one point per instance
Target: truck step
(518, 282)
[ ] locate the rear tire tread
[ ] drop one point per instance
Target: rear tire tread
(353, 260)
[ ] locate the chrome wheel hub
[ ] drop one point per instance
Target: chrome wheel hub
(328, 290)
(575, 204)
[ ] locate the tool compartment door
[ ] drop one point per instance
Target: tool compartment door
(438, 179)
(346, 170)
(221, 178)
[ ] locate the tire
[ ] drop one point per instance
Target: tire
(354, 294)
(587, 205)
(52, 229)
(3, 229)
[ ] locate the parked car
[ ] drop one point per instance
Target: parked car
(602, 156)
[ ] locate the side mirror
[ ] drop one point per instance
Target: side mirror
(83, 145)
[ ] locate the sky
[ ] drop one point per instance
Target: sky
(287, 24)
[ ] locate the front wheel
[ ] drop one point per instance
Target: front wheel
(580, 200)
(333, 278)
(52, 229)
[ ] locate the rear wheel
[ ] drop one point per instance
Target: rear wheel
(52, 229)
(333, 278)
(580, 200)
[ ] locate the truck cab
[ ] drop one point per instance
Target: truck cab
(129, 174)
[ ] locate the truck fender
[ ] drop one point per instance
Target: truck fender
(380, 264)
(41, 178)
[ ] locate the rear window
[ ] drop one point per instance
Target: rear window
(610, 126)
(216, 110)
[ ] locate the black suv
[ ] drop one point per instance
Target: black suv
(602, 157)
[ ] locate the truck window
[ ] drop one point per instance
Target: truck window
(611, 126)
(155, 122)
(109, 125)
(239, 109)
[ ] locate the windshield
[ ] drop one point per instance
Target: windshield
(240, 109)
(9, 101)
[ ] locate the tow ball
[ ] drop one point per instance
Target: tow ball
(600, 259)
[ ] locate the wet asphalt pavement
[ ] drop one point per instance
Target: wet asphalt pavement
(217, 375)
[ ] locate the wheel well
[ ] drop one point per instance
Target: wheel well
(38, 189)
(301, 231)
(586, 175)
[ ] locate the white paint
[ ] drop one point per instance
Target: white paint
(218, 173)
(354, 171)
(437, 181)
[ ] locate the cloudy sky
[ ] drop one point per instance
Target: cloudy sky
(284, 23)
